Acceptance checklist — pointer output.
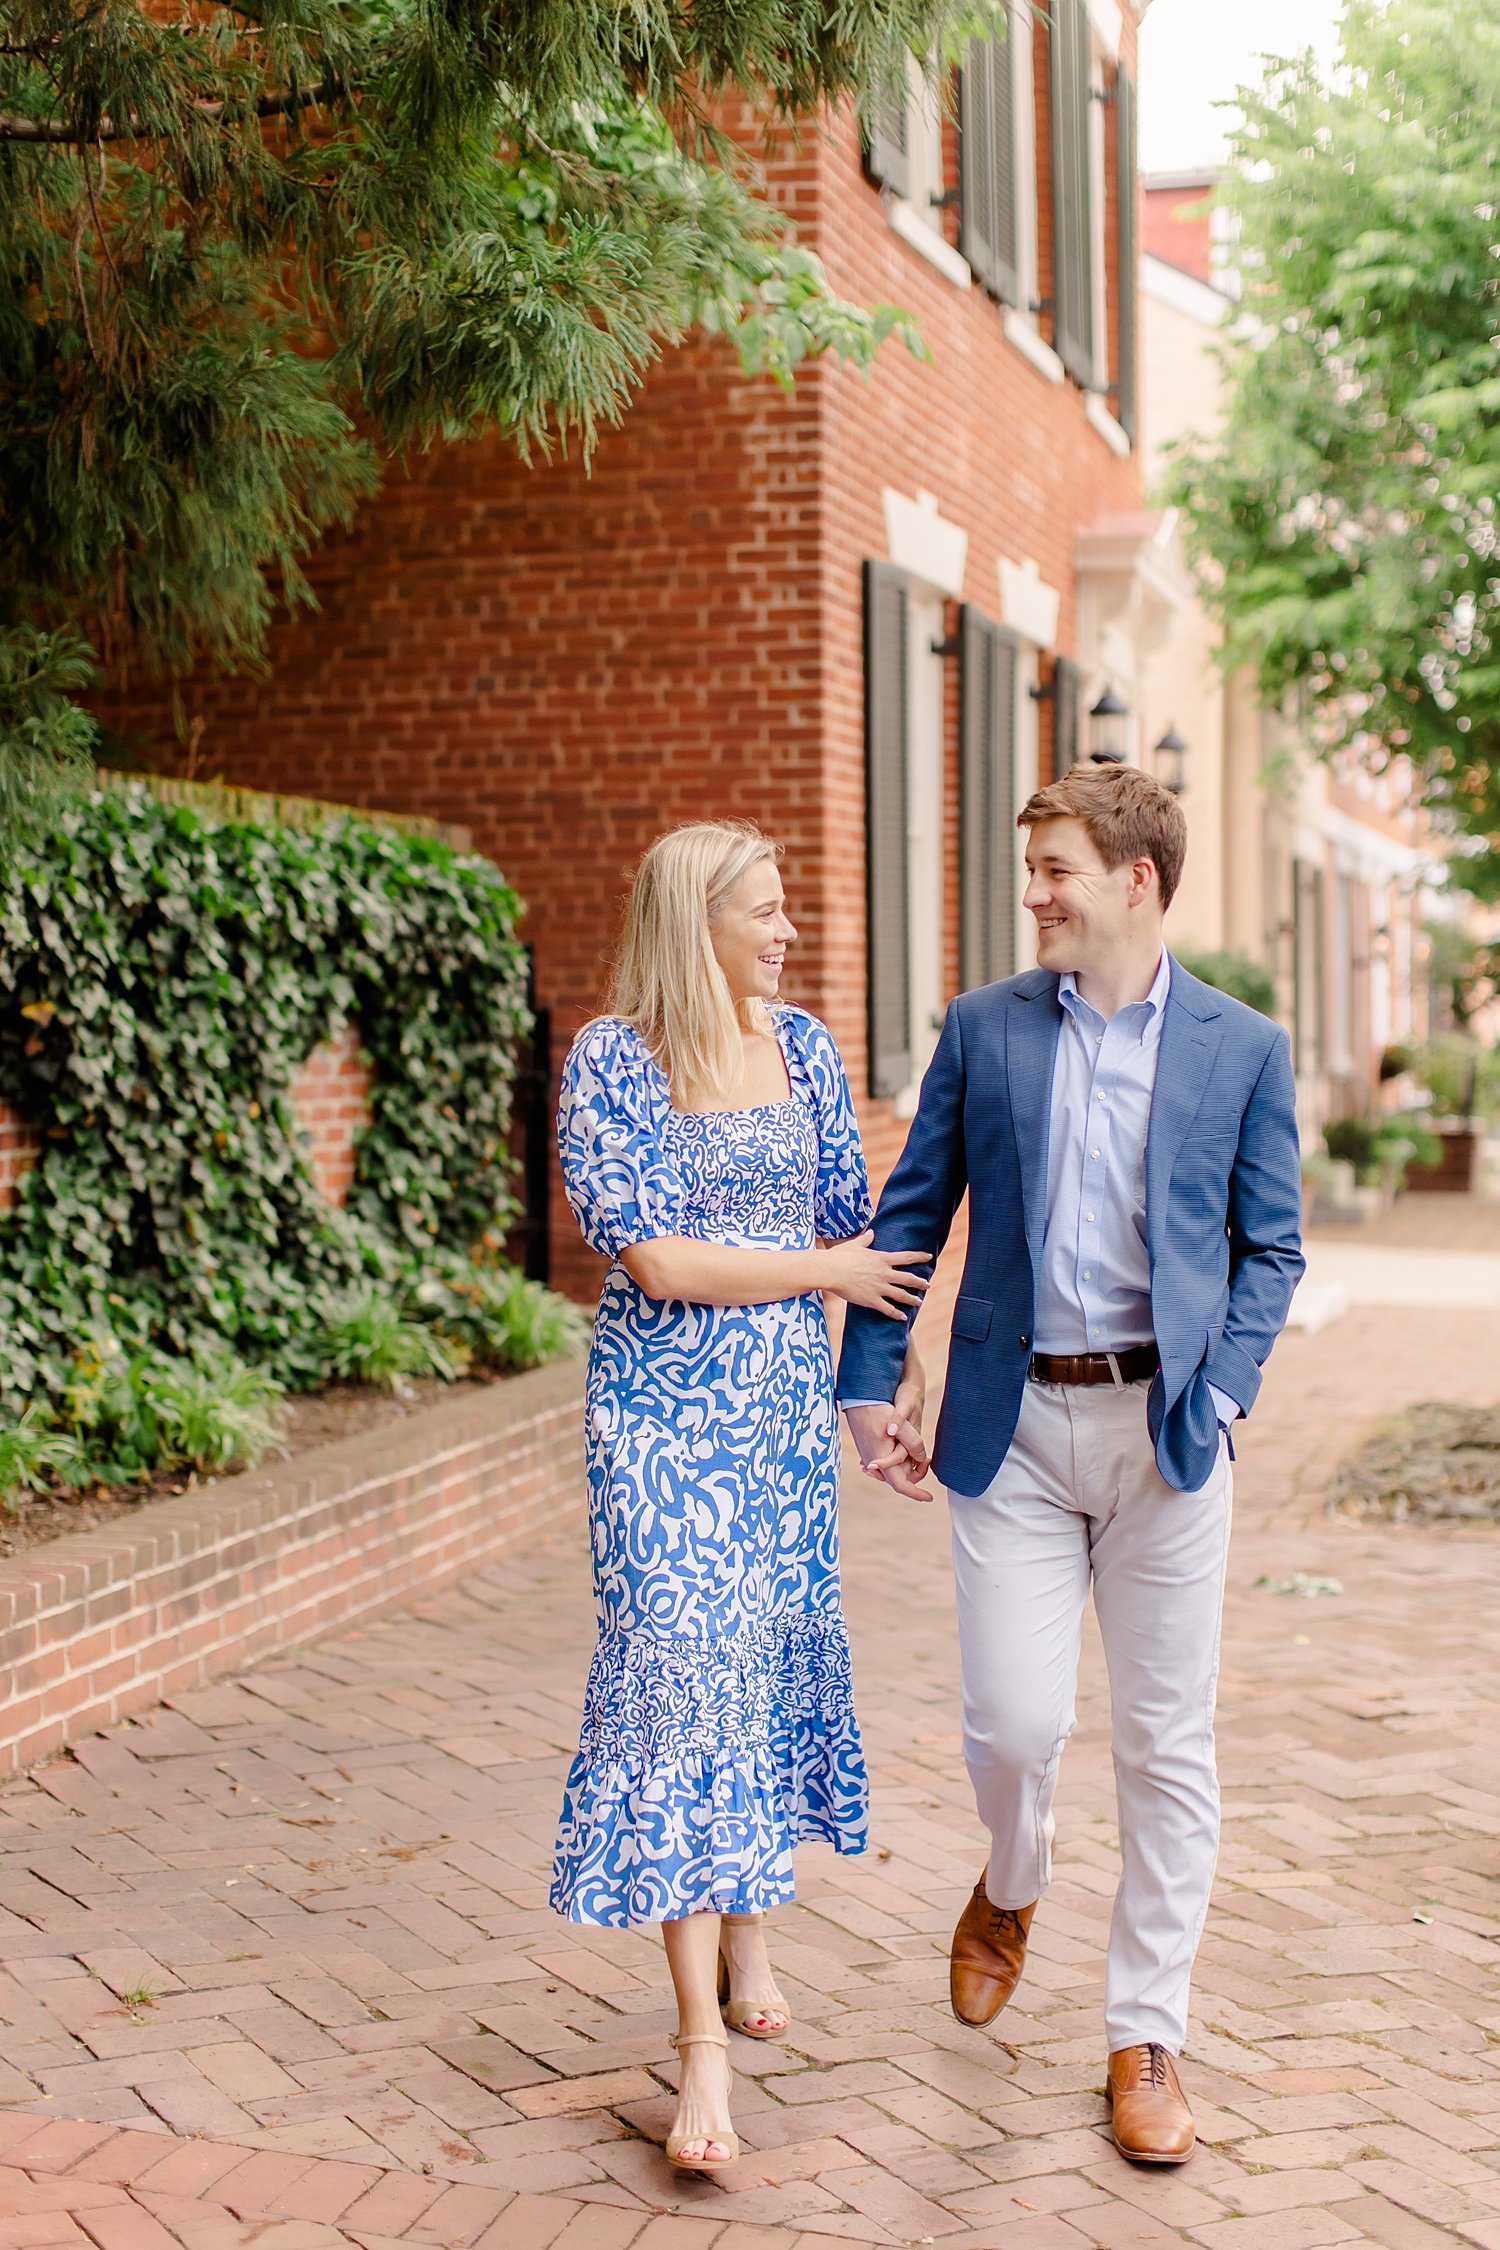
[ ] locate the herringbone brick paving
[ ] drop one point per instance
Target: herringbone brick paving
(278, 1968)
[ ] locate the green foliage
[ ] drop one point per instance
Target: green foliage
(129, 1413)
(1346, 510)
(242, 259)
(368, 1338)
(32, 1453)
(1462, 1076)
(1237, 974)
(1383, 1144)
(500, 1319)
(164, 972)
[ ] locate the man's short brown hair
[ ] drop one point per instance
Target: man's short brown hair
(1128, 815)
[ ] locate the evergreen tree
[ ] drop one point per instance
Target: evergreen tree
(249, 247)
(1347, 506)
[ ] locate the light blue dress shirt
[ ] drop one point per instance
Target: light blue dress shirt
(1094, 1289)
(1093, 1292)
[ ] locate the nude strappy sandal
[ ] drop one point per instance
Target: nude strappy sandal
(738, 2013)
(677, 2142)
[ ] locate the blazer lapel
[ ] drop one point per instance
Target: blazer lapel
(1191, 1033)
(1033, 1021)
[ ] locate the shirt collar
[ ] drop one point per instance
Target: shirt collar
(1153, 1004)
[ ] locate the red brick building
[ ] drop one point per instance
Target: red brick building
(828, 610)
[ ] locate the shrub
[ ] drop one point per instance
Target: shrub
(212, 1411)
(1237, 974)
(369, 1338)
(33, 1453)
(502, 1319)
(1381, 1147)
(1462, 1076)
(165, 969)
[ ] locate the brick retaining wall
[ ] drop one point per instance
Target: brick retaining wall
(112, 1620)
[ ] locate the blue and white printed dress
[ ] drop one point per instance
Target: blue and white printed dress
(718, 1725)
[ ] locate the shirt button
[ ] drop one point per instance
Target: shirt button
(1098, 1332)
(1090, 1217)
(1094, 1154)
(1088, 1275)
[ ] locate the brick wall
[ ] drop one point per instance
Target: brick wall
(567, 659)
(20, 1146)
(113, 1620)
(330, 1094)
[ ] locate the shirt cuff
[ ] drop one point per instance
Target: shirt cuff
(1228, 1409)
(846, 1403)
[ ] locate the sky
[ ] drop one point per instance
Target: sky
(1194, 53)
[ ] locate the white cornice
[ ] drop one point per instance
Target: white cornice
(1184, 292)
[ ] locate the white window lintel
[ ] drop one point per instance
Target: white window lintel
(1028, 605)
(922, 542)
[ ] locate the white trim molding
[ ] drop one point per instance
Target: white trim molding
(927, 242)
(1184, 292)
(1028, 605)
(921, 541)
(1108, 23)
(1099, 418)
(1021, 332)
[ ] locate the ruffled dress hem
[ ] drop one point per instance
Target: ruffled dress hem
(703, 1764)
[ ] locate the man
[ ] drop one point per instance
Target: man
(1127, 1140)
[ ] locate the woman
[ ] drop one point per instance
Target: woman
(710, 1149)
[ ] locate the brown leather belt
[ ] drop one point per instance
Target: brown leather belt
(1134, 1365)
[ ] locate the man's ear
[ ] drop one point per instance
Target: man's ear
(1145, 881)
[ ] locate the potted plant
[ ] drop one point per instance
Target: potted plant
(1463, 1078)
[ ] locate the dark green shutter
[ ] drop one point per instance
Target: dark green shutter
(887, 143)
(988, 658)
(1125, 398)
(1067, 715)
(988, 236)
(887, 880)
(1072, 201)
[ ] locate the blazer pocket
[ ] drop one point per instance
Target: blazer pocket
(971, 1318)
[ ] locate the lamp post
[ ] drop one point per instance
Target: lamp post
(1107, 729)
(1171, 761)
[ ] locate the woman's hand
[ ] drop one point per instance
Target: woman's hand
(877, 1279)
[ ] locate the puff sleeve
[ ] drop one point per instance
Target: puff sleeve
(620, 1184)
(842, 1205)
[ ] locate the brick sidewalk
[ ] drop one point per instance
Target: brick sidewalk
(278, 1971)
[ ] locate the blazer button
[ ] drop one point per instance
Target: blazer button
(1025, 1340)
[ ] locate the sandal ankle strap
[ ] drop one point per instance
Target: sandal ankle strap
(681, 2039)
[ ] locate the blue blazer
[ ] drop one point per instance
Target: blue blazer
(1223, 1216)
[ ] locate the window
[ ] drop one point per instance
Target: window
(1067, 711)
(887, 869)
(1074, 199)
(990, 236)
(887, 144)
(1123, 389)
(989, 665)
(904, 155)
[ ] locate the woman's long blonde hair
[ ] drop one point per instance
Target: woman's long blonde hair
(667, 979)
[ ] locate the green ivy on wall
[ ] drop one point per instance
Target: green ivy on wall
(165, 970)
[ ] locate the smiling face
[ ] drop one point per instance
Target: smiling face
(752, 934)
(1086, 913)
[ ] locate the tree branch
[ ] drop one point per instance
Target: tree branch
(57, 129)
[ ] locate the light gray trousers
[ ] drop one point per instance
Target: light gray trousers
(1079, 1501)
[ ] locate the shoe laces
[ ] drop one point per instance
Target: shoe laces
(1155, 2072)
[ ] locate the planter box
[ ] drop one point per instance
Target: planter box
(1453, 1174)
(112, 1620)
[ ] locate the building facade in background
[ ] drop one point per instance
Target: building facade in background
(871, 614)
(1325, 875)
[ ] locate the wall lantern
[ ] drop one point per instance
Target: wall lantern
(1108, 729)
(1171, 761)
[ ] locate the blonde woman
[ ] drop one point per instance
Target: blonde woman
(710, 1150)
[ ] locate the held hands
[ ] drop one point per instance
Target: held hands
(878, 1279)
(889, 1439)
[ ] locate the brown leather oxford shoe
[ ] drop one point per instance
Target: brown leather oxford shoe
(1149, 2115)
(989, 1951)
